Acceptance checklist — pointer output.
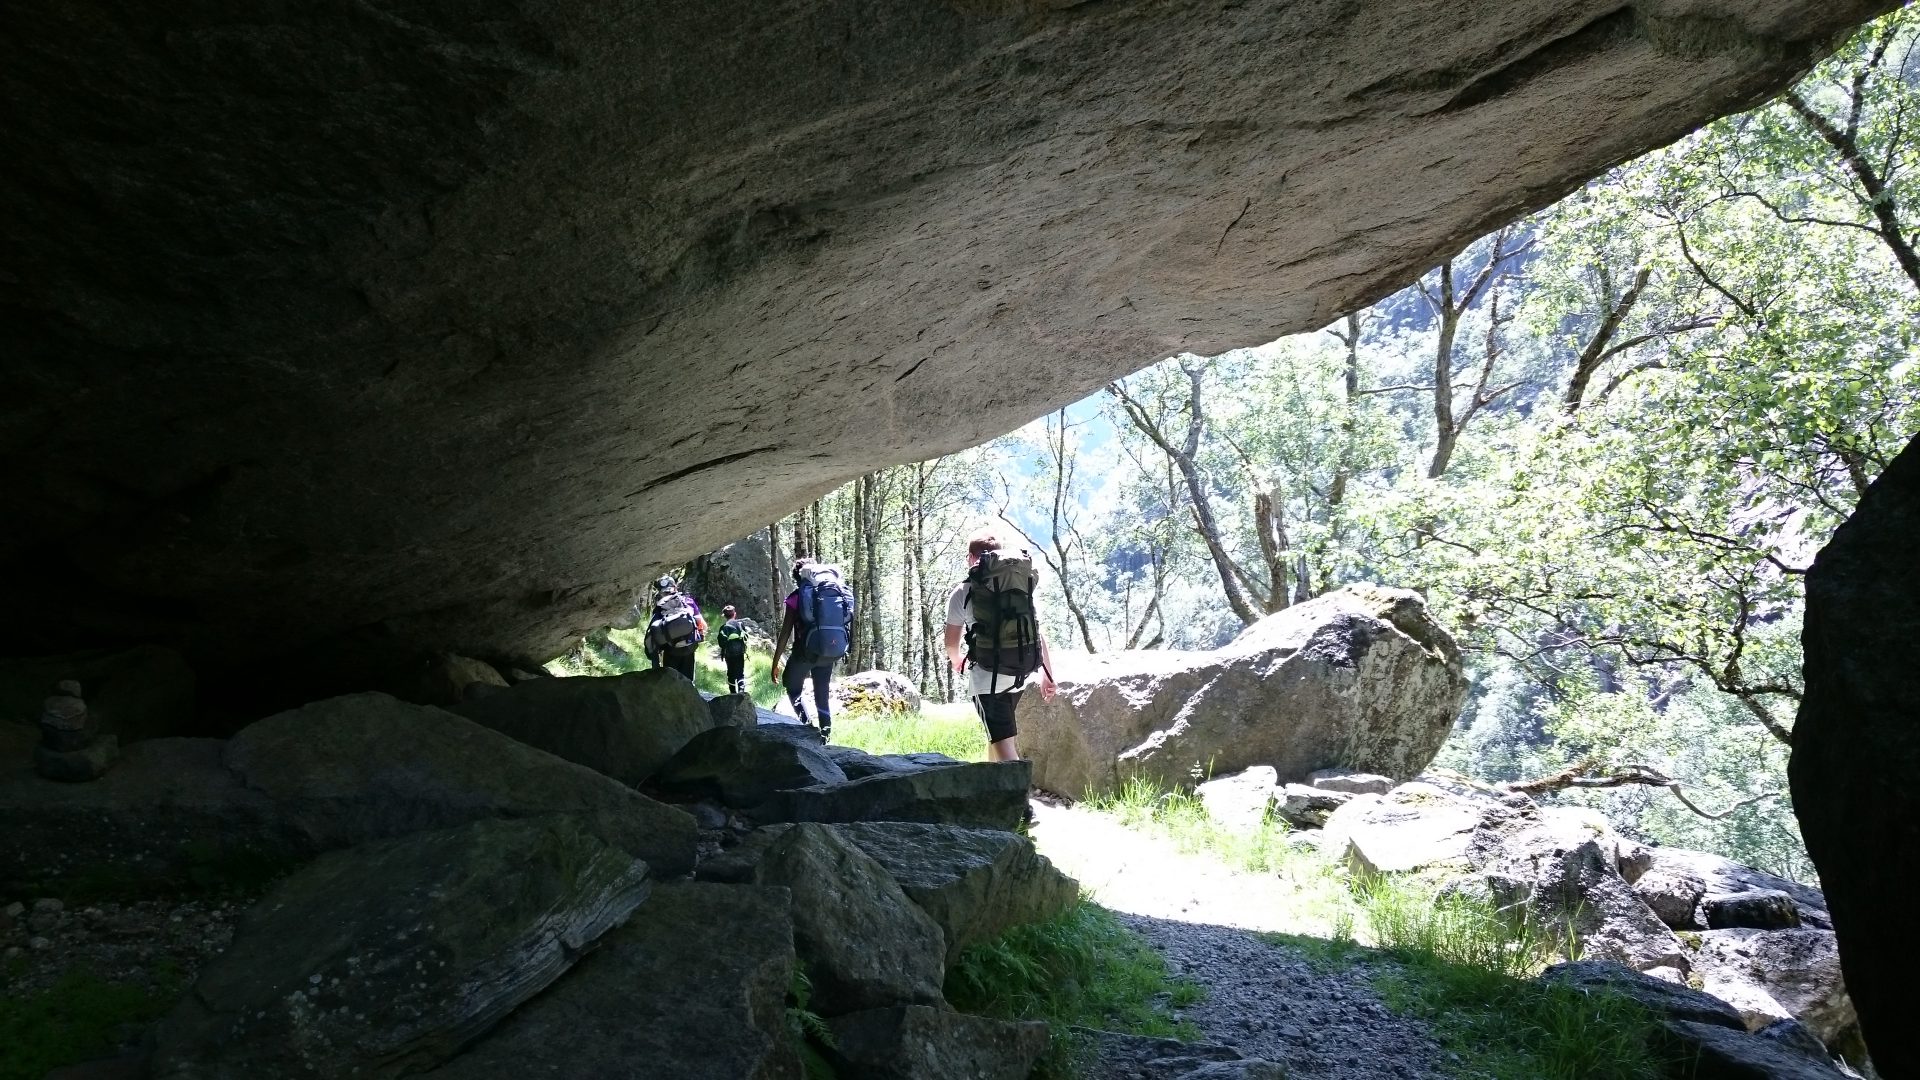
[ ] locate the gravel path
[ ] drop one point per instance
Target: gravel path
(1265, 1000)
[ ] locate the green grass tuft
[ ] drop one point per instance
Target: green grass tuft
(953, 730)
(1503, 1028)
(1468, 970)
(78, 1018)
(1082, 968)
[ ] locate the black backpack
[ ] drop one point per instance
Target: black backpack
(1004, 636)
(675, 624)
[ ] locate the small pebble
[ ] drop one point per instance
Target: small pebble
(38, 944)
(47, 905)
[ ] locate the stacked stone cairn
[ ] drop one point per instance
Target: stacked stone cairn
(72, 747)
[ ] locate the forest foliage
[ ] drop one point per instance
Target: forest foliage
(1605, 441)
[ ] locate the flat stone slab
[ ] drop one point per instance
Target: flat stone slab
(693, 987)
(387, 958)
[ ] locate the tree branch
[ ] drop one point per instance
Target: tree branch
(1628, 775)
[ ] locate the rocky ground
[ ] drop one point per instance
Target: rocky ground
(1264, 999)
(141, 943)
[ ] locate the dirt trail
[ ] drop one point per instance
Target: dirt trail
(1265, 1000)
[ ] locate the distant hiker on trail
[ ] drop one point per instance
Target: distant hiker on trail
(732, 643)
(675, 629)
(992, 614)
(819, 612)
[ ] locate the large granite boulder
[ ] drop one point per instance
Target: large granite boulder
(858, 764)
(1241, 801)
(366, 766)
(1563, 865)
(975, 883)
(625, 726)
(1855, 751)
(1772, 975)
(1711, 1052)
(1699, 1036)
(743, 767)
(1361, 678)
(914, 1042)
(1661, 997)
(865, 944)
(1683, 885)
(740, 574)
(876, 690)
(1414, 826)
(693, 987)
(439, 387)
(1566, 863)
(987, 794)
(385, 959)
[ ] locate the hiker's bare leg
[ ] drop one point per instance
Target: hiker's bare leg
(1002, 751)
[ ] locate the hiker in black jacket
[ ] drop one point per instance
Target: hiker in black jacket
(732, 643)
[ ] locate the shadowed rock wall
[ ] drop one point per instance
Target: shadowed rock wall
(1856, 751)
(443, 324)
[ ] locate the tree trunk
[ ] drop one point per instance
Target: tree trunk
(1597, 350)
(868, 614)
(1444, 430)
(1270, 530)
(778, 577)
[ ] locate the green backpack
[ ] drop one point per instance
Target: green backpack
(733, 640)
(1004, 636)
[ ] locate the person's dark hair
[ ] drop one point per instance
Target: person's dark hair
(729, 611)
(983, 543)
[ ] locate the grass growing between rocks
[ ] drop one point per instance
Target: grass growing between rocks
(80, 1017)
(1468, 971)
(1453, 962)
(1082, 968)
(950, 729)
(1182, 818)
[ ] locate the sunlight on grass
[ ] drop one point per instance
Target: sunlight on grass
(1318, 903)
(950, 729)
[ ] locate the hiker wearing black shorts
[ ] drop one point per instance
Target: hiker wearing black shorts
(994, 638)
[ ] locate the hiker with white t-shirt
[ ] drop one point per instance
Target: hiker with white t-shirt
(991, 614)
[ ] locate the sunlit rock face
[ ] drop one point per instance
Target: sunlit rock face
(443, 324)
(1856, 751)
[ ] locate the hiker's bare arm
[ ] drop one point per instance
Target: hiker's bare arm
(954, 655)
(780, 643)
